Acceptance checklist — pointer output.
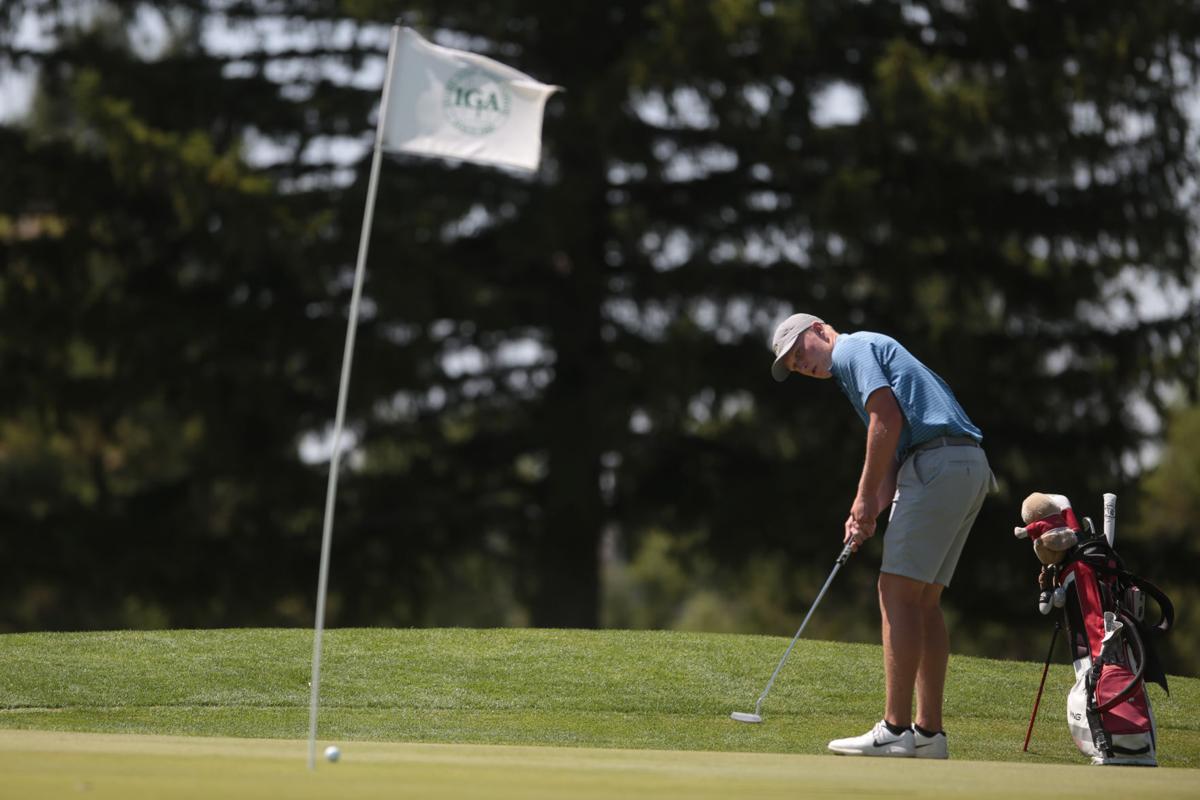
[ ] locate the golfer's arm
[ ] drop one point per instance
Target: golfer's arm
(883, 435)
(887, 489)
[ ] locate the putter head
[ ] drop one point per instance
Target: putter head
(742, 716)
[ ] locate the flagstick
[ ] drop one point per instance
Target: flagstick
(347, 359)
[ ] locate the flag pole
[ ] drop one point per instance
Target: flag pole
(347, 360)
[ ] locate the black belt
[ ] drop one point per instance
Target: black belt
(944, 441)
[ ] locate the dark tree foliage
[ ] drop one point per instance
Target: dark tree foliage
(1167, 548)
(544, 360)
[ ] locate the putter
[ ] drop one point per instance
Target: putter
(743, 716)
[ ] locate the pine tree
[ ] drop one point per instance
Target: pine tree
(548, 360)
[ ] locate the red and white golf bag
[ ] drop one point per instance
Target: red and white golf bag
(1110, 640)
(1111, 644)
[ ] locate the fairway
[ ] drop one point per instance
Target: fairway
(41, 764)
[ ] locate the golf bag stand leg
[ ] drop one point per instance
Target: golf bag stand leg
(1042, 685)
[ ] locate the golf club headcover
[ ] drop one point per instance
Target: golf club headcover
(1051, 524)
(1046, 590)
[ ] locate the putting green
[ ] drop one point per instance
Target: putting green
(51, 764)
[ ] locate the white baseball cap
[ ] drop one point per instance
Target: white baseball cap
(786, 336)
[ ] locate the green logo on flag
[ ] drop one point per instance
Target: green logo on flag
(475, 102)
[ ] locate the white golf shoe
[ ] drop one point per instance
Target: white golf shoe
(878, 741)
(931, 746)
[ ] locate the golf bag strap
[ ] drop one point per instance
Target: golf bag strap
(1165, 606)
(1135, 640)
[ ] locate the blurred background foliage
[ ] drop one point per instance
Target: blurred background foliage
(561, 412)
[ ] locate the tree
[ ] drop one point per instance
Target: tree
(547, 360)
(1164, 546)
(156, 346)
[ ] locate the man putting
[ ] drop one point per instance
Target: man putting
(923, 457)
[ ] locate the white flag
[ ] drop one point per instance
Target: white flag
(454, 104)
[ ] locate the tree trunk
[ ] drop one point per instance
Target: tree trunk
(567, 550)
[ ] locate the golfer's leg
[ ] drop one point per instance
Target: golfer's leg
(935, 652)
(900, 606)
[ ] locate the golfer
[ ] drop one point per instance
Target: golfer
(924, 459)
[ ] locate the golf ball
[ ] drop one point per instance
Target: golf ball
(333, 753)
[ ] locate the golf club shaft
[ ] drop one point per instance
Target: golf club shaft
(1038, 701)
(846, 551)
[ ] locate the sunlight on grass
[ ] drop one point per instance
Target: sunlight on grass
(615, 689)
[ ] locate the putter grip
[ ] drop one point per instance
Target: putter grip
(1110, 517)
(846, 551)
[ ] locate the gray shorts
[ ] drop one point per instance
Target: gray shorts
(939, 492)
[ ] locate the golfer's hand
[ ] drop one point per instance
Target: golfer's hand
(863, 514)
(855, 535)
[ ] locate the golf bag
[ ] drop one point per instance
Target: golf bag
(1112, 648)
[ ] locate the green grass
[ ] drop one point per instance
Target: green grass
(38, 765)
(604, 689)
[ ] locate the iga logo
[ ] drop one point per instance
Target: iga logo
(475, 102)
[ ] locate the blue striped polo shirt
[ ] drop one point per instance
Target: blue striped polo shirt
(865, 361)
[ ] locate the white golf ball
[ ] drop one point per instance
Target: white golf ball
(332, 753)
